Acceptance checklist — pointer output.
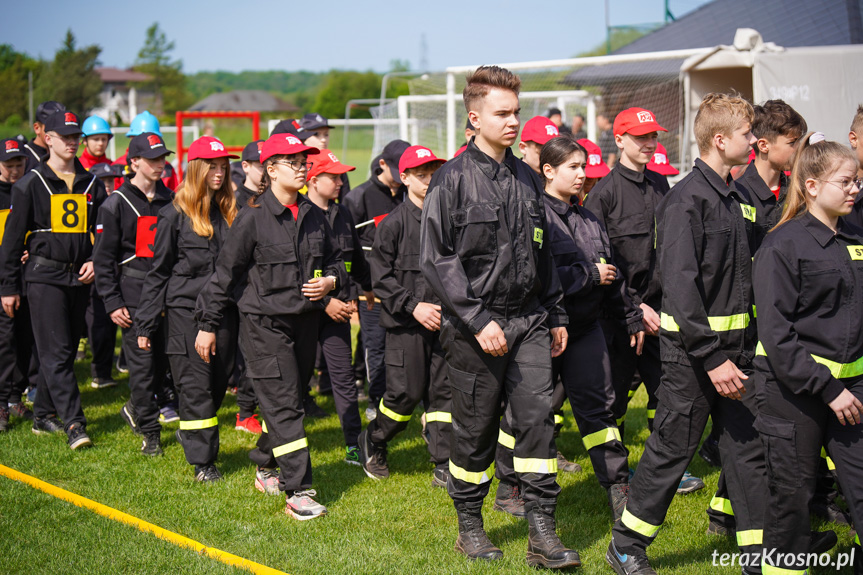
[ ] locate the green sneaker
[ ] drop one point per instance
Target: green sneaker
(352, 455)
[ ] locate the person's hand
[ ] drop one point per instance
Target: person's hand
(86, 274)
(354, 306)
(370, 300)
(205, 345)
(24, 257)
(559, 339)
(492, 339)
(428, 314)
(847, 408)
(121, 317)
(728, 380)
(11, 303)
(317, 288)
(636, 340)
(607, 274)
(650, 319)
(144, 343)
(338, 310)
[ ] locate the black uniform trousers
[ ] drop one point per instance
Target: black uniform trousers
(16, 349)
(102, 335)
(686, 399)
(374, 344)
(57, 316)
(280, 358)
(793, 430)
(416, 371)
(246, 400)
(147, 370)
(585, 373)
(200, 386)
(479, 381)
(625, 363)
(335, 345)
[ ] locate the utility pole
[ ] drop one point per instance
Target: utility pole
(669, 17)
(424, 53)
(30, 89)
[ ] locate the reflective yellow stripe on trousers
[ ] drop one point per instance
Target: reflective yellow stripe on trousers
(837, 370)
(606, 435)
(525, 464)
(199, 424)
(751, 537)
(767, 569)
(506, 439)
(635, 524)
(717, 323)
(392, 414)
(439, 416)
(290, 447)
(721, 505)
(475, 477)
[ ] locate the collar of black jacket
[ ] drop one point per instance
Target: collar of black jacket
(413, 209)
(487, 165)
(274, 205)
(557, 204)
(823, 234)
(629, 174)
(753, 182)
(722, 186)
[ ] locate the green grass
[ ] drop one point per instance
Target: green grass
(400, 525)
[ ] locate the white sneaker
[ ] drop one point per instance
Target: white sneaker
(302, 507)
(267, 480)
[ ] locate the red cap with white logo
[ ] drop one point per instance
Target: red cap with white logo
(594, 167)
(326, 162)
(416, 156)
(539, 129)
(284, 144)
(636, 121)
(659, 162)
(208, 148)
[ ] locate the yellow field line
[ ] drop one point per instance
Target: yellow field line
(140, 524)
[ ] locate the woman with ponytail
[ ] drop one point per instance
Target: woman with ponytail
(283, 243)
(808, 280)
(190, 234)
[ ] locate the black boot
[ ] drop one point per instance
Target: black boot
(544, 548)
(508, 499)
(472, 540)
(617, 496)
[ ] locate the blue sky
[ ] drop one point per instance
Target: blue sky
(317, 36)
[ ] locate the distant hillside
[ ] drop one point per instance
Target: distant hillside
(296, 87)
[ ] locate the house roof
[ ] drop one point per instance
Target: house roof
(110, 75)
(242, 100)
(787, 23)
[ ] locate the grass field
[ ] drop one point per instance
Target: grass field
(401, 525)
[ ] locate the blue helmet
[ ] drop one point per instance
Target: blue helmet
(143, 122)
(95, 125)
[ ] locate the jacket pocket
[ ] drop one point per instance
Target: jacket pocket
(476, 230)
(176, 344)
(408, 262)
(195, 257)
(277, 266)
(780, 451)
(463, 386)
(629, 225)
(821, 285)
(673, 422)
(263, 368)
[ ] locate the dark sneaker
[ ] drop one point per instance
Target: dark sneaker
(628, 563)
(822, 541)
(207, 473)
(78, 437)
(313, 410)
(4, 419)
(829, 512)
(44, 425)
(102, 382)
(440, 476)
(720, 529)
(152, 444)
(121, 364)
(352, 455)
(508, 499)
(267, 480)
(689, 484)
(20, 410)
(565, 466)
(302, 507)
(373, 457)
(709, 452)
(617, 496)
(168, 413)
(127, 412)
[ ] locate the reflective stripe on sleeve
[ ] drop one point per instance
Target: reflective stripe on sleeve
(717, 323)
(439, 416)
(837, 370)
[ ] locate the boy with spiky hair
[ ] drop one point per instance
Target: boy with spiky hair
(482, 252)
(707, 341)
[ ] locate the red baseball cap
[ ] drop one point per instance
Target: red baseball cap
(326, 162)
(208, 148)
(636, 121)
(659, 162)
(539, 129)
(286, 144)
(416, 156)
(594, 166)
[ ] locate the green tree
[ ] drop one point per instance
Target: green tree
(340, 86)
(167, 79)
(14, 67)
(71, 78)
